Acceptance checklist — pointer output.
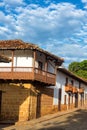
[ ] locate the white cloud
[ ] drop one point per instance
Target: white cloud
(1, 4)
(84, 1)
(3, 29)
(51, 27)
(13, 2)
(56, 21)
(9, 5)
(69, 51)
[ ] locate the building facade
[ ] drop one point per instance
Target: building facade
(70, 91)
(32, 84)
(23, 81)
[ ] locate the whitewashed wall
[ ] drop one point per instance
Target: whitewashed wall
(23, 58)
(85, 91)
(60, 83)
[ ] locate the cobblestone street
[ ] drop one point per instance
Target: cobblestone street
(76, 120)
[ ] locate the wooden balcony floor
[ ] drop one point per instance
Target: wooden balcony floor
(27, 73)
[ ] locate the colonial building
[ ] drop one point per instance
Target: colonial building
(24, 80)
(70, 90)
(33, 84)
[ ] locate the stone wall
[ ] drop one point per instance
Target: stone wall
(16, 103)
(46, 100)
(22, 102)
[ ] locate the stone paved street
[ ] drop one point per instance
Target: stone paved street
(76, 120)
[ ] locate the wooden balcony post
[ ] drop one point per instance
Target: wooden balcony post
(55, 72)
(12, 61)
(34, 56)
(34, 59)
(46, 64)
(55, 69)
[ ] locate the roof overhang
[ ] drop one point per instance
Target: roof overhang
(20, 45)
(67, 72)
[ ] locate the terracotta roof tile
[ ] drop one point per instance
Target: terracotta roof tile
(15, 44)
(19, 44)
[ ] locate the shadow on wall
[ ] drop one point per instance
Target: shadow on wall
(44, 100)
(16, 103)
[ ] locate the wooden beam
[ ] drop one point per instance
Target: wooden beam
(12, 60)
(46, 64)
(34, 58)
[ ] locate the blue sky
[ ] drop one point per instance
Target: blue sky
(59, 26)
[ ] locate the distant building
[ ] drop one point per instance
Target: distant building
(70, 90)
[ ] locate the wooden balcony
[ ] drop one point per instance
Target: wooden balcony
(27, 73)
(68, 88)
(81, 90)
(74, 90)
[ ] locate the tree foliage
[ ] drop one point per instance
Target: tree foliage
(79, 68)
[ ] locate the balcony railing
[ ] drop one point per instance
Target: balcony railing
(81, 90)
(68, 88)
(27, 73)
(74, 90)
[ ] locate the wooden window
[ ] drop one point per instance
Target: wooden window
(40, 65)
(66, 83)
(72, 82)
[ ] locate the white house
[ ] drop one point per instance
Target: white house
(70, 90)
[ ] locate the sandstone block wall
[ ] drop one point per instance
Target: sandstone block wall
(14, 103)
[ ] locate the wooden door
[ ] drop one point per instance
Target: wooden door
(76, 100)
(69, 101)
(82, 99)
(0, 100)
(38, 109)
(59, 99)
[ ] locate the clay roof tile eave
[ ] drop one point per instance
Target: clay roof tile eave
(19, 44)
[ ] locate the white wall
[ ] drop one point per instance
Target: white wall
(60, 83)
(23, 58)
(85, 91)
